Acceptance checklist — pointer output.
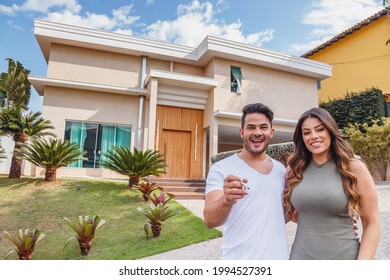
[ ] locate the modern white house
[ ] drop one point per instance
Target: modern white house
(104, 89)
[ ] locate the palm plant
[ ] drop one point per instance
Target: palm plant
(135, 164)
(162, 199)
(51, 155)
(15, 88)
(25, 242)
(146, 188)
(21, 127)
(85, 231)
(157, 215)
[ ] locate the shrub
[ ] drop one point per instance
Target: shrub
(146, 188)
(157, 215)
(135, 164)
(356, 107)
(280, 152)
(372, 144)
(85, 230)
(25, 242)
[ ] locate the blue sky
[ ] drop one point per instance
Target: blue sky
(286, 26)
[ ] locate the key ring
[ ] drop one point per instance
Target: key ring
(244, 186)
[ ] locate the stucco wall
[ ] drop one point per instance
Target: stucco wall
(287, 94)
(93, 66)
(360, 60)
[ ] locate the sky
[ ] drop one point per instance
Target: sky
(291, 27)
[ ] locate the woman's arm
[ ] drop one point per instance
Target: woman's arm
(369, 205)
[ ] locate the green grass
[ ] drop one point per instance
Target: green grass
(32, 203)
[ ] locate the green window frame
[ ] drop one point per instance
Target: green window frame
(96, 139)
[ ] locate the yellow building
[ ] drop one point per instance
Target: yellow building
(360, 59)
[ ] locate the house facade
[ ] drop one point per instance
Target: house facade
(105, 89)
(359, 57)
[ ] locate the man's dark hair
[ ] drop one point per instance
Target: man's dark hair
(256, 108)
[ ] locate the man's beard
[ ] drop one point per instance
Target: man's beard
(247, 146)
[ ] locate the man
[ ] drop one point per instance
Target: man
(244, 193)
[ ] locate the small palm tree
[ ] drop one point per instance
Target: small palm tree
(135, 164)
(157, 215)
(25, 242)
(21, 127)
(146, 188)
(51, 155)
(85, 230)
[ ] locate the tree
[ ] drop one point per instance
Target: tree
(51, 155)
(15, 88)
(20, 126)
(372, 144)
(135, 164)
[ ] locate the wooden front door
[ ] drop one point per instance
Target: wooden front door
(179, 137)
(176, 153)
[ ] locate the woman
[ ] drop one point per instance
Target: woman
(326, 188)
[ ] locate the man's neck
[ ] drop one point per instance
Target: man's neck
(247, 156)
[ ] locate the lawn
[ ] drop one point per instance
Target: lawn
(32, 203)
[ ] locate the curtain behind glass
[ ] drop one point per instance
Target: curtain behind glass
(123, 136)
(108, 140)
(78, 134)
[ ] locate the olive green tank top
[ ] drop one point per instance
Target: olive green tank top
(325, 229)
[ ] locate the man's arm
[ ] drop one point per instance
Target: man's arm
(218, 203)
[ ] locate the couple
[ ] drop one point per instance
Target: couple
(323, 189)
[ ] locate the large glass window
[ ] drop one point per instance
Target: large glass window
(96, 139)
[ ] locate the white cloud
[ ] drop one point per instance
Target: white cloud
(197, 20)
(331, 17)
(42, 6)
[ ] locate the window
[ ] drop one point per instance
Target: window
(96, 140)
(318, 85)
(388, 109)
(235, 79)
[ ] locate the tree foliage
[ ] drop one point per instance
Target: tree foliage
(51, 154)
(357, 107)
(372, 144)
(136, 164)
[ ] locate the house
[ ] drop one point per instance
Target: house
(104, 89)
(359, 57)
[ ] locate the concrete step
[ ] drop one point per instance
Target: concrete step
(182, 188)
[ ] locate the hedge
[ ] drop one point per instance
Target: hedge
(357, 107)
(280, 152)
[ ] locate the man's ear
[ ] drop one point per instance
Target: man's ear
(241, 133)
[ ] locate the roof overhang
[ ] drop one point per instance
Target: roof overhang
(181, 80)
(40, 83)
(211, 47)
(236, 115)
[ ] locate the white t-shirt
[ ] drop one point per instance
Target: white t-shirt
(255, 228)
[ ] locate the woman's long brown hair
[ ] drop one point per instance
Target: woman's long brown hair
(341, 153)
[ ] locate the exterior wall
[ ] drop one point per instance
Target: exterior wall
(61, 104)
(8, 145)
(165, 65)
(360, 60)
(287, 94)
(93, 66)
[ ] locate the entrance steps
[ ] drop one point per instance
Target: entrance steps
(182, 188)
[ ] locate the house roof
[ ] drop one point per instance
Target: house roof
(347, 32)
(48, 32)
